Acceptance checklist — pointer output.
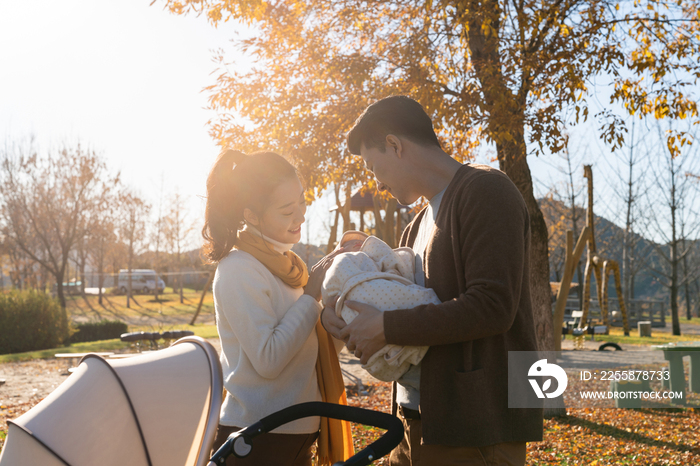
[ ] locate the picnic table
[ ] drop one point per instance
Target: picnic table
(674, 354)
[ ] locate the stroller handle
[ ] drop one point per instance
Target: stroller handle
(240, 443)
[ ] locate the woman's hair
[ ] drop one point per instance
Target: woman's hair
(237, 181)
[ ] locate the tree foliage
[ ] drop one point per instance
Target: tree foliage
(509, 72)
(47, 201)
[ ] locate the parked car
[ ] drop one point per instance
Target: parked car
(144, 280)
(70, 288)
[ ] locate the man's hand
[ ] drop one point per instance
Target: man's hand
(365, 334)
(331, 322)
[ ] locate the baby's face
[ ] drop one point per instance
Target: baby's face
(352, 246)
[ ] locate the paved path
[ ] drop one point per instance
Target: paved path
(686, 329)
(593, 359)
(353, 373)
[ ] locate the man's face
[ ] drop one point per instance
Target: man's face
(388, 171)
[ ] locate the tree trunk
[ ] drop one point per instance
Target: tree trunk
(674, 256)
(384, 226)
(676, 325)
(389, 223)
(503, 106)
(333, 237)
(100, 284)
(574, 216)
(129, 284)
(513, 162)
(180, 277)
(686, 281)
(82, 277)
(632, 295)
(59, 287)
(506, 108)
(345, 210)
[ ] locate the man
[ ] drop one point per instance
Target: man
(472, 247)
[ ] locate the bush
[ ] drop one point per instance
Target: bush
(96, 331)
(30, 321)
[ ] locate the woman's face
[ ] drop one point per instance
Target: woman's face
(285, 212)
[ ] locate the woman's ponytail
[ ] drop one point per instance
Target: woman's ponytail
(237, 181)
(223, 218)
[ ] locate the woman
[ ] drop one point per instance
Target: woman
(274, 351)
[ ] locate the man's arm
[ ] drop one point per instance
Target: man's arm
(493, 232)
(365, 334)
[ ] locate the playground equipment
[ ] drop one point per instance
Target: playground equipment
(595, 265)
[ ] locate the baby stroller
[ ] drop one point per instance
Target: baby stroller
(155, 409)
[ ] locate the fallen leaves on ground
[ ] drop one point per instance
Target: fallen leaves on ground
(586, 436)
(376, 397)
(594, 436)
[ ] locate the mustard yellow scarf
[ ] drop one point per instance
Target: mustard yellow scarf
(335, 436)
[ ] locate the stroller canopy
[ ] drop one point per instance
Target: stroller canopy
(155, 409)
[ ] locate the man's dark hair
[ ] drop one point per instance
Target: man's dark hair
(398, 115)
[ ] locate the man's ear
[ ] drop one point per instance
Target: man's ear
(394, 143)
(250, 217)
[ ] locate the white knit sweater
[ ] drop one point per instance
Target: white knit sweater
(269, 346)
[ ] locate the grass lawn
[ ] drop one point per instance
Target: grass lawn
(142, 306)
(146, 314)
(87, 347)
(658, 338)
(204, 331)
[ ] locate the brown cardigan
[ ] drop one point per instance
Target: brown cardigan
(478, 264)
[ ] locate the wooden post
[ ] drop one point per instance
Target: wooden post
(399, 230)
(572, 257)
(201, 299)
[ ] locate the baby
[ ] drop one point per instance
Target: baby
(375, 274)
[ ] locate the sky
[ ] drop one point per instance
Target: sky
(126, 78)
(121, 77)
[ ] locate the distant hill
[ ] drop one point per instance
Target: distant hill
(609, 238)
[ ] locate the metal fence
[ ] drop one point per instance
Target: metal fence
(637, 310)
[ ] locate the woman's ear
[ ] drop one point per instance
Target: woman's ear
(250, 217)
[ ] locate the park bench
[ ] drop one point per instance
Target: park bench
(572, 327)
(140, 338)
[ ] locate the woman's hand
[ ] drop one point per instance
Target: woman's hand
(332, 323)
(318, 273)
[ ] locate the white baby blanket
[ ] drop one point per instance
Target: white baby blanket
(384, 278)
